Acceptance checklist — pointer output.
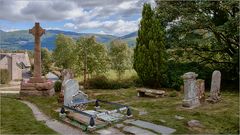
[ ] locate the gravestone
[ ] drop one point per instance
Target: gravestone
(200, 85)
(37, 85)
(215, 87)
(66, 75)
(72, 93)
(190, 92)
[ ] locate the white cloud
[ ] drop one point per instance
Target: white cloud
(110, 16)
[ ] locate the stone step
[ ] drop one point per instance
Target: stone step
(147, 125)
(137, 131)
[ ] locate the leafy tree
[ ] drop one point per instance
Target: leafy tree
(149, 54)
(91, 54)
(206, 32)
(63, 53)
(46, 58)
(120, 55)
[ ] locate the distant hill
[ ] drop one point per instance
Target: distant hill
(130, 38)
(22, 40)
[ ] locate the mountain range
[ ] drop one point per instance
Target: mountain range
(22, 40)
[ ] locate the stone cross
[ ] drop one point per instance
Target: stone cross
(37, 32)
(190, 91)
(215, 87)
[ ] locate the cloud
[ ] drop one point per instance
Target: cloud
(110, 16)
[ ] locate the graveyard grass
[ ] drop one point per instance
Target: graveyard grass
(222, 117)
(17, 118)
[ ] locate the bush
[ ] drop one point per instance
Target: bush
(4, 76)
(57, 86)
(176, 70)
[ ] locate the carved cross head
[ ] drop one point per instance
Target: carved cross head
(37, 30)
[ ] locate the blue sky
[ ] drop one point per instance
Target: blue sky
(115, 17)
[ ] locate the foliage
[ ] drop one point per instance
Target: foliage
(46, 57)
(63, 53)
(120, 55)
(57, 86)
(206, 32)
(5, 77)
(176, 70)
(149, 54)
(93, 54)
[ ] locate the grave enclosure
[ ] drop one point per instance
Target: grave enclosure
(87, 114)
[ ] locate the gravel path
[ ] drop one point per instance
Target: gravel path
(55, 125)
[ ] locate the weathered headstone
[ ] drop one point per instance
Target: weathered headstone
(72, 93)
(37, 85)
(66, 75)
(215, 87)
(200, 85)
(190, 92)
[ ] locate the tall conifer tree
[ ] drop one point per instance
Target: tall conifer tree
(149, 54)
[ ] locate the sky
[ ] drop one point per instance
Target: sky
(114, 17)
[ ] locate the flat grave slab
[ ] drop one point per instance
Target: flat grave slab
(147, 125)
(151, 92)
(83, 119)
(109, 131)
(137, 131)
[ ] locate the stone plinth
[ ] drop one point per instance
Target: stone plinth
(37, 89)
(190, 91)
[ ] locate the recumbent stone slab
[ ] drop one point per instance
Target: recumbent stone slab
(147, 125)
(109, 131)
(137, 131)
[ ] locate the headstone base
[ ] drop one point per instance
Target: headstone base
(37, 89)
(192, 103)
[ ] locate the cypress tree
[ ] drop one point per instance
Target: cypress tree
(149, 54)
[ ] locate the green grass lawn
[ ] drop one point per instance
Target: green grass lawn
(17, 118)
(222, 117)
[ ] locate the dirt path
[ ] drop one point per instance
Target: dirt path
(52, 123)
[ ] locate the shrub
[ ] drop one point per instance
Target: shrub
(176, 70)
(4, 76)
(57, 86)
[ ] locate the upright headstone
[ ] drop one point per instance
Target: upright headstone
(66, 75)
(200, 85)
(190, 92)
(215, 87)
(72, 95)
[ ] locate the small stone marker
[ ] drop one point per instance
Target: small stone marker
(194, 123)
(137, 131)
(178, 117)
(147, 125)
(215, 87)
(200, 85)
(190, 92)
